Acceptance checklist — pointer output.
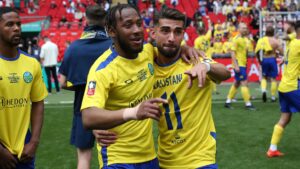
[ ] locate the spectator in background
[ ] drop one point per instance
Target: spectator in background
(217, 6)
(49, 54)
(1, 3)
(146, 19)
(78, 15)
(174, 3)
(63, 21)
(53, 4)
(227, 8)
(106, 5)
(31, 9)
(210, 6)
(34, 49)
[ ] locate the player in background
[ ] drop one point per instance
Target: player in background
(289, 92)
(22, 93)
(239, 53)
(270, 48)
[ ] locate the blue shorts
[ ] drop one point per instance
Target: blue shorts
(153, 164)
(80, 137)
(242, 75)
(290, 101)
(211, 166)
(269, 67)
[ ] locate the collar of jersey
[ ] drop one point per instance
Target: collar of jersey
(114, 52)
(11, 59)
(167, 64)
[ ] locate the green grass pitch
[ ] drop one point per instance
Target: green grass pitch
(242, 136)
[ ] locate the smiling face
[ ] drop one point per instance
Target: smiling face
(10, 29)
(168, 35)
(128, 32)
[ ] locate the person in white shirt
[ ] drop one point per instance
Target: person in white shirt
(49, 53)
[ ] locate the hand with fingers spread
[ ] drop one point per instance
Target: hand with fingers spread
(7, 160)
(146, 109)
(105, 137)
(198, 71)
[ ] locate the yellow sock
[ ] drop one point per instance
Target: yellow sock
(273, 88)
(277, 134)
(245, 93)
(214, 86)
(263, 85)
(232, 92)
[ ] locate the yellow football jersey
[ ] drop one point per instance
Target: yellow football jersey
(226, 46)
(264, 45)
(202, 42)
(239, 46)
(186, 128)
(291, 73)
(218, 48)
(20, 84)
(115, 83)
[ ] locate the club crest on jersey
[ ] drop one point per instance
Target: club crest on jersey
(151, 69)
(91, 88)
(27, 76)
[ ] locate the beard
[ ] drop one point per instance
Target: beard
(126, 46)
(168, 53)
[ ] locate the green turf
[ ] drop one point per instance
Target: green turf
(242, 136)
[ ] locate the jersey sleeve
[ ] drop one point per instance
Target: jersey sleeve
(258, 46)
(38, 90)
(98, 86)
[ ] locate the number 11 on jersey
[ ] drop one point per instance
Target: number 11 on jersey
(176, 109)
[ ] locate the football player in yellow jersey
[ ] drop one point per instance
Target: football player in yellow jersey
(270, 47)
(289, 92)
(186, 128)
(290, 34)
(119, 94)
(239, 53)
(22, 94)
(202, 42)
(187, 137)
(119, 91)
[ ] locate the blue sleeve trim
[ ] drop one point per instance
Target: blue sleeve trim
(108, 60)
